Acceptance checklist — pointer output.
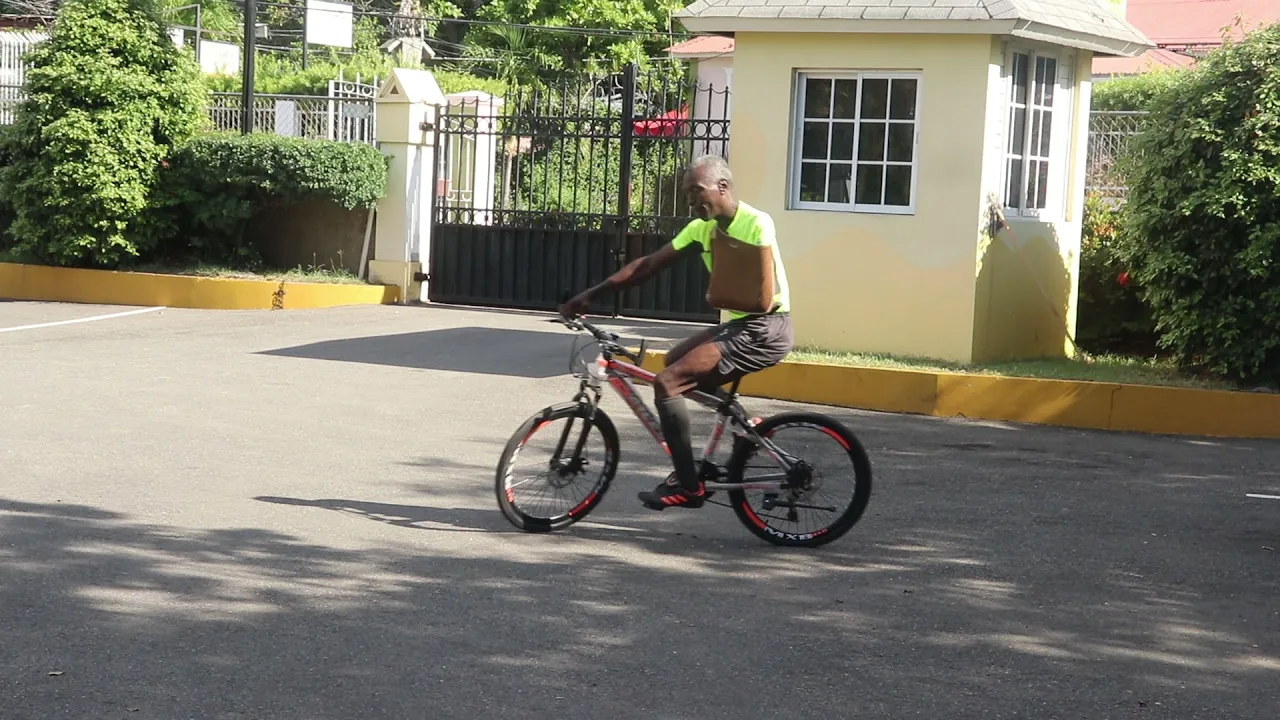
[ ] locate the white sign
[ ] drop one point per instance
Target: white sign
(330, 23)
(219, 58)
(177, 35)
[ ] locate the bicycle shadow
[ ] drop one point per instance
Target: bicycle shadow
(414, 517)
(493, 522)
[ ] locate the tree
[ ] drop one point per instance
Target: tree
(594, 49)
(108, 96)
(1201, 224)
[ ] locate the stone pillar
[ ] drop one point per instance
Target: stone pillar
(407, 107)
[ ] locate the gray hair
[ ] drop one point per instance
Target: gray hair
(714, 169)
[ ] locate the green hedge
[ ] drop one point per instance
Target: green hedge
(215, 183)
(1136, 92)
(1111, 316)
(1201, 224)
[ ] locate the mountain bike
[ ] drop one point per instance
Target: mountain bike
(770, 505)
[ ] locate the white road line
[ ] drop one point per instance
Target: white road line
(80, 320)
(1263, 497)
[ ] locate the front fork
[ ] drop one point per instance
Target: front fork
(589, 395)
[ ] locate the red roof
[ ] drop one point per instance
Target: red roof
(1180, 24)
(1197, 22)
(702, 45)
(1157, 59)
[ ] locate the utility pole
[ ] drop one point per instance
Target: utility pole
(250, 51)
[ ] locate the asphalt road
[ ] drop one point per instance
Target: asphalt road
(230, 515)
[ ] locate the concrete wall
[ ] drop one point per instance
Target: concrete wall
(900, 284)
(1027, 276)
(313, 233)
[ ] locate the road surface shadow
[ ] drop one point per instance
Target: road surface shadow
(480, 350)
(113, 617)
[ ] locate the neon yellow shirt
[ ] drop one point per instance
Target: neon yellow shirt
(749, 226)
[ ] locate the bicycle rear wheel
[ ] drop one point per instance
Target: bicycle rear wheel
(819, 509)
(553, 493)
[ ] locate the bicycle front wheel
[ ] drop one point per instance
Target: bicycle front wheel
(826, 498)
(557, 467)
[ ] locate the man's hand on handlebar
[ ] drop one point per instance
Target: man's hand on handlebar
(575, 306)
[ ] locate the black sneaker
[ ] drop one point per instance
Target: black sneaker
(669, 493)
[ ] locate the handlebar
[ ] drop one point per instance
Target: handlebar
(607, 340)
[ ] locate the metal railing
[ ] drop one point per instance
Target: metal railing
(1109, 132)
(308, 116)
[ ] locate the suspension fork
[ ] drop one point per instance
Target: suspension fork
(592, 399)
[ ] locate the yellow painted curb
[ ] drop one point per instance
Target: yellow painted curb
(108, 287)
(1064, 403)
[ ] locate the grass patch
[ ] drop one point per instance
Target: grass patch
(337, 276)
(1096, 368)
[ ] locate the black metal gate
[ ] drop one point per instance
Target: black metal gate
(556, 188)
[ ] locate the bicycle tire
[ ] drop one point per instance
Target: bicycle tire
(600, 421)
(743, 451)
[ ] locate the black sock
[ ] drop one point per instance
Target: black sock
(674, 414)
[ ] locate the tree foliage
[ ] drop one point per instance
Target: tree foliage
(108, 96)
(1201, 226)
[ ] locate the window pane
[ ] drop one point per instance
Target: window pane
(1046, 79)
(875, 99)
(1014, 189)
(870, 183)
(1019, 78)
(1036, 116)
(1042, 186)
(1044, 134)
(813, 182)
(1017, 129)
(817, 98)
(871, 141)
(815, 141)
(1033, 167)
(838, 189)
(842, 141)
(897, 185)
(846, 102)
(901, 142)
(902, 100)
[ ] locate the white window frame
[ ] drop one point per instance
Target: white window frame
(1060, 129)
(797, 141)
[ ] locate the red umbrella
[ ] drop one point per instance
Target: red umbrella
(666, 124)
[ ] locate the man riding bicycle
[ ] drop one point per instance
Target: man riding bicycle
(748, 342)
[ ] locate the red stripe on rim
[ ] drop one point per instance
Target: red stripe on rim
(583, 505)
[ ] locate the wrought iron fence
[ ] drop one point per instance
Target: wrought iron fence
(309, 116)
(553, 187)
(1109, 132)
(563, 154)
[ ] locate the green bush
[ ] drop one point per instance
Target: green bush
(1201, 225)
(108, 95)
(215, 183)
(1111, 316)
(1135, 92)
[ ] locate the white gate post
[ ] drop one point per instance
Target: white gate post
(406, 110)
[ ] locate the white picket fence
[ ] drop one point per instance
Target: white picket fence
(345, 114)
(13, 45)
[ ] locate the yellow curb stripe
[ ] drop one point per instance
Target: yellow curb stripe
(108, 287)
(1062, 403)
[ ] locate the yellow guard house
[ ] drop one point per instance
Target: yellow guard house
(884, 136)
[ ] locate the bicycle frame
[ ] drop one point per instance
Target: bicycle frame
(622, 376)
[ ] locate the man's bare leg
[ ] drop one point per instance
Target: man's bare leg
(698, 366)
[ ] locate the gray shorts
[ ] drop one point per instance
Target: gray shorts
(753, 343)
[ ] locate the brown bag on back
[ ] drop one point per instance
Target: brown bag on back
(741, 275)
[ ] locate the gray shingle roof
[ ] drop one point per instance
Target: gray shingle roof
(1092, 18)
